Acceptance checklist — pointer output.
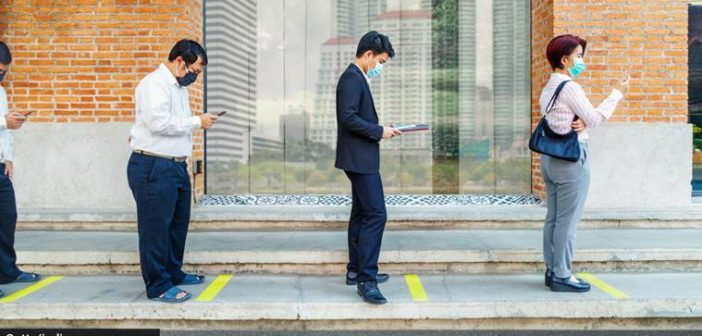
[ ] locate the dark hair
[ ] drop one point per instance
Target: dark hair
(5, 55)
(376, 42)
(189, 50)
(563, 45)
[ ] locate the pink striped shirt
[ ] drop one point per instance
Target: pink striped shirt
(572, 101)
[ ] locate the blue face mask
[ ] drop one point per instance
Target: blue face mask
(375, 72)
(577, 68)
(189, 78)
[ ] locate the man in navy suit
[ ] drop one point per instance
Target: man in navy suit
(358, 154)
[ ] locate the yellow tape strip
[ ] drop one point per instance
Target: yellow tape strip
(415, 288)
(29, 290)
(214, 288)
(603, 286)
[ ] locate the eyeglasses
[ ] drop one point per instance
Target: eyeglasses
(193, 71)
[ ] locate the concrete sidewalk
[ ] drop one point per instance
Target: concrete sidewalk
(666, 300)
(325, 252)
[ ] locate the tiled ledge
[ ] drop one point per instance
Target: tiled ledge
(390, 200)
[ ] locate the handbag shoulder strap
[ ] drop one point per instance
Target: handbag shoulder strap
(555, 96)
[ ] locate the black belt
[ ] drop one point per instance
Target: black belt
(174, 158)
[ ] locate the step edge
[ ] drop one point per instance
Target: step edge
(242, 311)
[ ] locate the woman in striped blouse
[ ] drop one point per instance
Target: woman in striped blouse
(567, 182)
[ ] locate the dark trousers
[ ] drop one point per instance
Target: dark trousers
(8, 222)
(161, 189)
(366, 225)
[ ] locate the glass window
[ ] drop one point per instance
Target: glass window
(462, 66)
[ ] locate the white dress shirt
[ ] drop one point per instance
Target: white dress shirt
(572, 101)
(163, 120)
(6, 138)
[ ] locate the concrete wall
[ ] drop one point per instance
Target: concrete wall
(641, 166)
(72, 166)
(83, 166)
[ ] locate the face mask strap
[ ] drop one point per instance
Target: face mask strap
(368, 68)
(186, 69)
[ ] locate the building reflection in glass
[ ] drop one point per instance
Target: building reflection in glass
(462, 66)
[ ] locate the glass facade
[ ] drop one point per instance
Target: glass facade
(462, 66)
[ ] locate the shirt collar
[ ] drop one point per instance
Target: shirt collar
(167, 74)
(363, 72)
(560, 76)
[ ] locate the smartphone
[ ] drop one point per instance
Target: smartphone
(28, 113)
(219, 114)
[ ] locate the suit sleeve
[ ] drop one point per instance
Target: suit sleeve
(349, 107)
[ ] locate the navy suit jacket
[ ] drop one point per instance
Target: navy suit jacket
(357, 144)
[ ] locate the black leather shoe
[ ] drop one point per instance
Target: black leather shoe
(548, 278)
(370, 293)
(379, 278)
(568, 285)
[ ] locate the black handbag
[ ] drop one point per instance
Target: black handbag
(545, 141)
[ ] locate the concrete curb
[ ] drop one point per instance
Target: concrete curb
(535, 309)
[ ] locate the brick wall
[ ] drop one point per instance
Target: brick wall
(650, 35)
(79, 61)
(542, 32)
(3, 16)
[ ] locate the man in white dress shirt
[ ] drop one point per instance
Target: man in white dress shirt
(161, 140)
(8, 208)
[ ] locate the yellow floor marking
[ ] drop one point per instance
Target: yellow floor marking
(214, 288)
(416, 289)
(603, 286)
(30, 289)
